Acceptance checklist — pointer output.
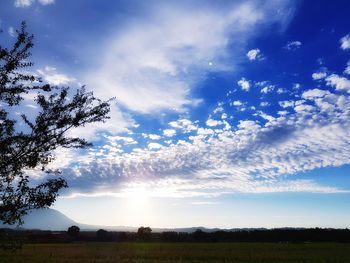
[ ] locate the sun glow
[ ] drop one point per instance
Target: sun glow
(138, 206)
(138, 194)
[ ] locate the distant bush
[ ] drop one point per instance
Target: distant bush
(73, 231)
(144, 233)
(104, 235)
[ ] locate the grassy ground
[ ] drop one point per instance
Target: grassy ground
(180, 252)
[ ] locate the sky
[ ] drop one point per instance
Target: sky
(226, 113)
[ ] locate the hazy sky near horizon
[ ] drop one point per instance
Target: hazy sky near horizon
(227, 113)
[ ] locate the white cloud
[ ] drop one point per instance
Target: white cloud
(52, 77)
(213, 123)
(319, 75)
(286, 104)
(345, 42)
(183, 124)
(205, 131)
(153, 63)
(27, 3)
(254, 54)
(315, 93)
(169, 132)
(264, 104)
(32, 106)
(12, 31)
(154, 146)
(249, 157)
(23, 3)
(248, 125)
(281, 90)
(266, 116)
(244, 84)
(46, 2)
(261, 83)
(152, 136)
(296, 86)
(293, 45)
(304, 109)
(150, 69)
(218, 109)
(63, 158)
(347, 69)
(237, 103)
(283, 112)
(126, 140)
(340, 83)
(203, 203)
(267, 89)
(119, 122)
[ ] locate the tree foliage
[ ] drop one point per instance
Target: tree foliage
(73, 231)
(102, 234)
(30, 146)
(144, 233)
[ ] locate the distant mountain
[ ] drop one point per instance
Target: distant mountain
(45, 219)
(51, 219)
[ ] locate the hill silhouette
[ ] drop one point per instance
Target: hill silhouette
(45, 219)
(51, 219)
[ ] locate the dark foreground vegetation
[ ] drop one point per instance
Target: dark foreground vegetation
(145, 234)
(180, 252)
(256, 245)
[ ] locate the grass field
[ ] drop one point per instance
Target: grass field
(180, 252)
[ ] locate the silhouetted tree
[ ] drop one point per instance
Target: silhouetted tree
(73, 231)
(32, 146)
(144, 233)
(144, 230)
(199, 235)
(102, 234)
(170, 236)
(122, 236)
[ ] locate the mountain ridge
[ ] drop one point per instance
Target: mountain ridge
(54, 220)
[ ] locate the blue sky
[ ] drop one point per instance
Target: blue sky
(227, 113)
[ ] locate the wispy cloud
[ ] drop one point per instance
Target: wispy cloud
(46, 2)
(169, 132)
(185, 125)
(347, 69)
(340, 83)
(11, 31)
(155, 63)
(319, 75)
(267, 89)
(244, 84)
(345, 42)
(52, 77)
(23, 3)
(27, 3)
(118, 122)
(254, 54)
(293, 45)
(252, 157)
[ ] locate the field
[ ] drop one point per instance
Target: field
(180, 252)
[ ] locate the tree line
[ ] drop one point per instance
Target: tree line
(145, 234)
